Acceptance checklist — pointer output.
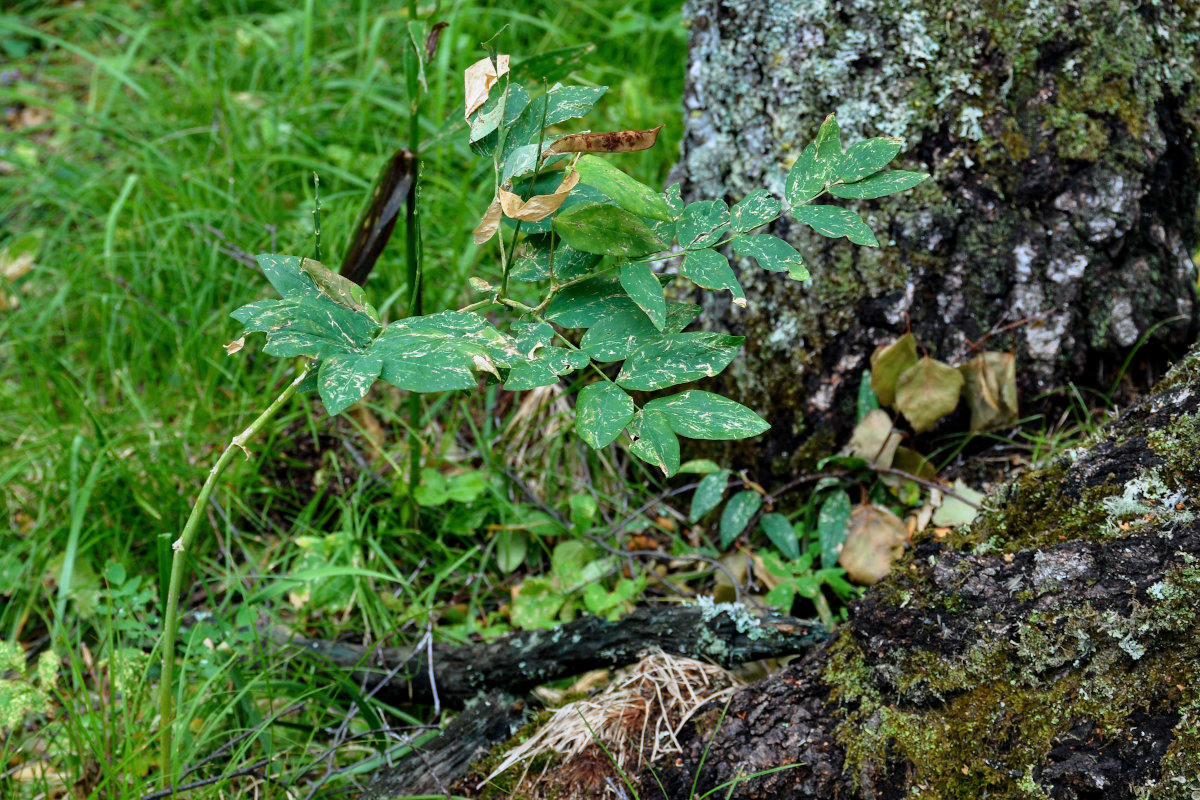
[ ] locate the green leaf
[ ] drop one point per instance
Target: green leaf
(628, 193)
(836, 222)
(654, 441)
(772, 253)
(782, 535)
(565, 102)
(583, 511)
(286, 276)
(954, 512)
(755, 209)
(699, 466)
(536, 604)
(674, 197)
(431, 492)
(345, 379)
(704, 415)
(880, 185)
(708, 494)
(606, 229)
(738, 512)
(511, 547)
(618, 334)
(702, 224)
(678, 358)
(534, 262)
(927, 391)
(829, 141)
(424, 360)
(601, 413)
(832, 526)
(867, 401)
(312, 326)
(866, 158)
(887, 363)
(587, 303)
(807, 178)
(551, 65)
(342, 291)
(639, 282)
(710, 269)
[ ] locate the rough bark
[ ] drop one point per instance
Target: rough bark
(723, 634)
(1062, 137)
(1050, 650)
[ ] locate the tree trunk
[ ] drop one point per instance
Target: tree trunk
(1062, 137)
(1050, 650)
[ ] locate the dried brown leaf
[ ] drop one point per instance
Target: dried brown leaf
(490, 223)
(540, 206)
(479, 78)
(928, 391)
(604, 142)
(874, 540)
(874, 439)
(990, 388)
(887, 362)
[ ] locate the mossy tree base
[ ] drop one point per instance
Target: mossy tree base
(1052, 650)
(1061, 217)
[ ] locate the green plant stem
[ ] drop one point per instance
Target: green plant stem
(412, 251)
(178, 564)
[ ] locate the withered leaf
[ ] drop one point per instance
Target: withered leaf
(540, 206)
(928, 391)
(604, 142)
(479, 78)
(887, 362)
(490, 223)
(393, 188)
(990, 388)
(874, 440)
(874, 540)
(431, 42)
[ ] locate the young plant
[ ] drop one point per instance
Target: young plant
(586, 236)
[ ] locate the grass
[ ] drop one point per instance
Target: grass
(146, 146)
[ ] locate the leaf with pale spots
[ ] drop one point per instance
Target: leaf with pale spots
(711, 269)
(832, 520)
(782, 535)
(866, 158)
(813, 170)
(628, 193)
(755, 209)
(312, 326)
(602, 413)
(343, 380)
(772, 253)
(654, 442)
(616, 336)
(674, 198)
(738, 512)
(703, 415)
(678, 358)
(543, 253)
(928, 391)
(702, 224)
(708, 494)
(340, 290)
(584, 304)
(606, 229)
(879, 185)
(836, 222)
(639, 281)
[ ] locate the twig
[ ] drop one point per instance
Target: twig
(928, 484)
(172, 791)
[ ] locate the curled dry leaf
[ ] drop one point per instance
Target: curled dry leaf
(874, 540)
(874, 439)
(928, 391)
(431, 41)
(490, 223)
(235, 346)
(540, 206)
(990, 389)
(480, 77)
(604, 142)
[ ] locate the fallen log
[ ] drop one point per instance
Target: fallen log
(452, 674)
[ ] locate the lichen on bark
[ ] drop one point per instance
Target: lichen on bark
(1063, 142)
